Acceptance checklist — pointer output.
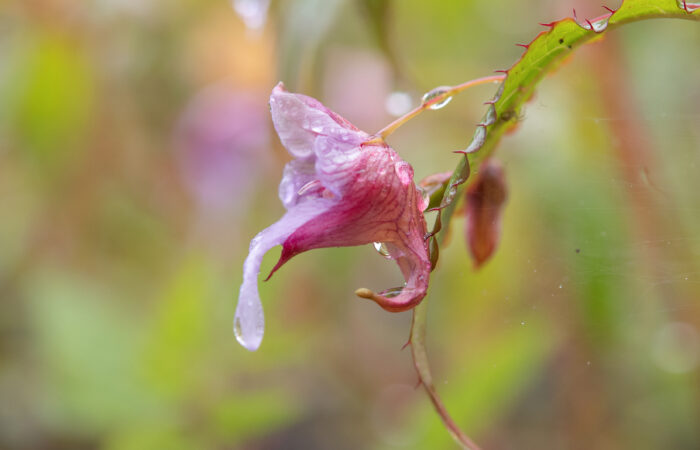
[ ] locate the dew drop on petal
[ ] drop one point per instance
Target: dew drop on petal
(249, 323)
(438, 91)
(425, 197)
(382, 249)
(238, 331)
(392, 292)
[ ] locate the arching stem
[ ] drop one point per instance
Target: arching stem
(420, 361)
(448, 92)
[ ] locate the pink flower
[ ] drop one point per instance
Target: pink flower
(342, 189)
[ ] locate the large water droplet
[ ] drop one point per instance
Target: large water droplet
(382, 249)
(238, 331)
(438, 91)
(425, 197)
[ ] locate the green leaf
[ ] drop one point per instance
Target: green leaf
(542, 55)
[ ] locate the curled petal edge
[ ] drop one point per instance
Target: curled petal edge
(249, 320)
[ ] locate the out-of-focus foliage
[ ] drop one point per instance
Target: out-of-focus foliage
(137, 160)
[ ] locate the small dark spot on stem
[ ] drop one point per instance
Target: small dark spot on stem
(569, 47)
(506, 116)
(578, 250)
(561, 40)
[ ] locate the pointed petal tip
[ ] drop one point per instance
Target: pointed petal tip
(364, 293)
(405, 300)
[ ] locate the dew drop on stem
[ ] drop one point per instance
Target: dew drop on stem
(437, 92)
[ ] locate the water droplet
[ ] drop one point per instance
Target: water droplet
(437, 92)
(522, 323)
(425, 196)
(238, 331)
(561, 286)
(398, 103)
(391, 292)
(600, 26)
(382, 249)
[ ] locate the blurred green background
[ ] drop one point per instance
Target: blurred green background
(137, 160)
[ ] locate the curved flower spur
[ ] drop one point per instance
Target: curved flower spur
(343, 188)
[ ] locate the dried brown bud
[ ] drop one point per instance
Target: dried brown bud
(485, 200)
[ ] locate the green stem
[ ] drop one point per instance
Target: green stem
(420, 361)
(446, 93)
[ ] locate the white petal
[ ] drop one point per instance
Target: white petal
(249, 321)
(297, 173)
(298, 119)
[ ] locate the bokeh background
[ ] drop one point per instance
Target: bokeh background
(137, 160)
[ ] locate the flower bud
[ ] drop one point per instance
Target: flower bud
(485, 200)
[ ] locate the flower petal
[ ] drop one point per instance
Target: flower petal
(339, 191)
(298, 119)
(335, 163)
(249, 322)
(297, 174)
(380, 205)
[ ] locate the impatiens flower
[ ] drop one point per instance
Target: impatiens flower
(342, 189)
(485, 200)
